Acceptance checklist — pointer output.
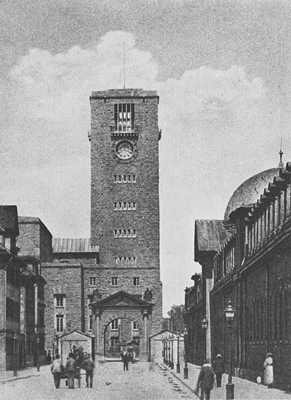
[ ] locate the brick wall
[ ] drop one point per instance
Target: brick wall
(34, 239)
(145, 193)
(64, 279)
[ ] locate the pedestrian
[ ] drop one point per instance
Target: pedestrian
(268, 370)
(218, 369)
(49, 358)
(205, 380)
(88, 365)
(56, 369)
(125, 359)
(71, 370)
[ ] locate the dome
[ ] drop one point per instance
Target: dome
(250, 190)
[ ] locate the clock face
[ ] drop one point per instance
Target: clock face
(124, 150)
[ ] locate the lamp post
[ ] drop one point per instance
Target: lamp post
(37, 353)
(229, 316)
(164, 352)
(172, 352)
(185, 353)
(178, 355)
(204, 325)
(15, 354)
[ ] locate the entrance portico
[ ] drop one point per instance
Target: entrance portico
(121, 306)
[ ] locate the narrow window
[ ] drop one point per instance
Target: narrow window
(124, 117)
(129, 178)
(136, 281)
(114, 325)
(135, 326)
(90, 322)
(120, 178)
(115, 178)
(124, 178)
(92, 281)
(114, 281)
(60, 323)
(59, 300)
(134, 178)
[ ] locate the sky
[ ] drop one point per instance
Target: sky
(220, 67)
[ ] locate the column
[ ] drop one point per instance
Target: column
(145, 349)
(99, 338)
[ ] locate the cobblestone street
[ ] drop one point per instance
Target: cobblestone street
(142, 381)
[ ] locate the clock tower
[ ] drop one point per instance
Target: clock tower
(125, 215)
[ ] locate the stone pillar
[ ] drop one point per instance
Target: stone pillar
(98, 334)
(145, 348)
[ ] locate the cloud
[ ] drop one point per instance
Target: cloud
(208, 94)
(56, 87)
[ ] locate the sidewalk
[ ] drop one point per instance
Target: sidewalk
(8, 376)
(243, 389)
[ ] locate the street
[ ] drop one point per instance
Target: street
(142, 381)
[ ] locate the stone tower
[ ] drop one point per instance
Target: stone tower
(125, 216)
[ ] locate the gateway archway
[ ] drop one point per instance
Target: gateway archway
(121, 320)
(122, 334)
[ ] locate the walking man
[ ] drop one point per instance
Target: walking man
(88, 365)
(125, 359)
(205, 380)
(218, 369)
(56, 369)
(71, 370)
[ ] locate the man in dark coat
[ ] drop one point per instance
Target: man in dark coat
(88, 365)
(70, 369)
(205, 380)
(218, 369)
(125, 359)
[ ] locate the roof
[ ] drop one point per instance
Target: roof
(250, 190)
(29, 220)
(9, 219)
(32, 220)
(63, 245)
(210, 235)
(124, 93)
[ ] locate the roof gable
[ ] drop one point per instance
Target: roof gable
(210, 235)
(122, 299)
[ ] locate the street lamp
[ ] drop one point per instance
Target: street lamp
(178, 360)
(164, 352)
(37, 353)
(185, 353)
(204, 325)
(229, 316)
(15, 354)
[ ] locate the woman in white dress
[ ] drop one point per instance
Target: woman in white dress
(268, 370)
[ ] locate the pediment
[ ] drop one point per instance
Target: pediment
(122, 299)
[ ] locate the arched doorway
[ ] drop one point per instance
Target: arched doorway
(121, 321)
(121, 334)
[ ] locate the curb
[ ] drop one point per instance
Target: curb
(18, 378)
(181, 380)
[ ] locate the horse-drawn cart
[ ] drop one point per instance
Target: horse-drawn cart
(76, 343)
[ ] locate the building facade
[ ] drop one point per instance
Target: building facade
(252, 269)
(21, 299)
(125, 216)
(109, 285)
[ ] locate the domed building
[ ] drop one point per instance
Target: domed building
(246, 262)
